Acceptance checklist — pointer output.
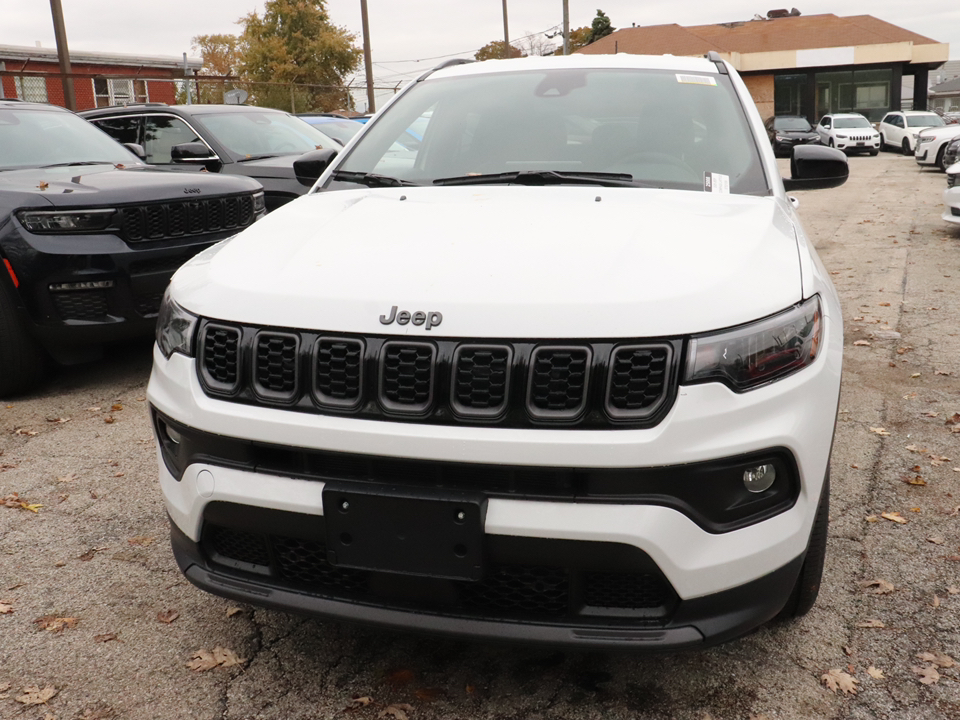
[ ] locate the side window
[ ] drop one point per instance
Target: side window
(888, 119)
(826, 122)
(162, 132)
(897, 121)
(122, 129)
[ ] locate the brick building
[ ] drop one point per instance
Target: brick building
(100, 79)
(803, 65)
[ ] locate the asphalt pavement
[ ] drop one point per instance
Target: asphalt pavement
(96, 621)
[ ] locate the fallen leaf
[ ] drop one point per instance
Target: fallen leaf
(13, 500)
(33, 695)
(854, 466)
(935, 540)
(836, 679)
(5, 607)
(936, 601)
(915, 480)
(24, 431)
(915, 448)
(879, 431)
(167, 616)
(942, 372)
(231, 611)
(862, 343)
(55, 624)
(894, 517)
(43, 185)
(875, 673)
(398, 711)
(953, 590)
(141, 540)
(858, 317)
(847, 650)
(106, 637)
(58, 420)
(202, 660)
(359, 702)
(884, 304)
(880, 587)
(109, 420)
(871, 623)
(937, 658)
(915, 375)
(67, 478)
(116, 407)
(927, 675)
(930, 414)
(226, 657)
(93, 409)
(871, 518)
(88, 555)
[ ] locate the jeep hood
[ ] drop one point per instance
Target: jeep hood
(505, 261)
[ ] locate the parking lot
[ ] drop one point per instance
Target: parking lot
(94, 611)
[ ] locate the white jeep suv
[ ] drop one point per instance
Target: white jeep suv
(566, 373)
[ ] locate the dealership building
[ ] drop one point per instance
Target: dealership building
(808, 65)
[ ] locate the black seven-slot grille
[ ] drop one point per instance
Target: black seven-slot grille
(160, 221)
(506, 383)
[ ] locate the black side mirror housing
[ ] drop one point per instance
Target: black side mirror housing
(191, 152)
(137, 150)
(814, 167)
(310, 166)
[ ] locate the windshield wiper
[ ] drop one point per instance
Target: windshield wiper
(258, 157)
(545, 177)
(369, 179)
(79, 162)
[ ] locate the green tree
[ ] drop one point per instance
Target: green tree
(494, 51)
(600, 27)
(295, 42)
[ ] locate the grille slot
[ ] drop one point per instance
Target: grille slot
(220, 351)
(89, 305)
(338, 374)
(624, 590)
(481, 380)
(275, 365)
(557, 387)
(159, 221)
(638, 381)
(406, 376)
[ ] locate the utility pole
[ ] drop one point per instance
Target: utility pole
(367, 60)
(566, 27)
(506, 32)
(60, 31)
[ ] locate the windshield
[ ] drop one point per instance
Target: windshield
(341, 130)
(661, 128)
(253, 134)
(791, 123)
(930, 120)
(857, 122)
(33, 138)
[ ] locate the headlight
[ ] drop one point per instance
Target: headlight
(749, 356)
(842, 137)
(781, 138)
(259, 203)
(175, 328)
(925, 139)
(60, 221)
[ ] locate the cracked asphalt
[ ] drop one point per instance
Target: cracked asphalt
(97, 550)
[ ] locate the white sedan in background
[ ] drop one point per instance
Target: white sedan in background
(931, 144)
(850, 132)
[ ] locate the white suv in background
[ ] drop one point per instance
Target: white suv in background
(850, 132)
(391, 402)
(900, 128)
(932, 144)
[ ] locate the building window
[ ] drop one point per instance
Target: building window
(32, 89)
(118, 91)
(862, 91)
(788, 94)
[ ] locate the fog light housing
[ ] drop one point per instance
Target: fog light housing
(760, 478)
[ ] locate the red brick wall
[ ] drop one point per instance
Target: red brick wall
(157, 91)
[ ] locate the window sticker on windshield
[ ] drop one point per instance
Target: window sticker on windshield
(696, 79)
(717, 183)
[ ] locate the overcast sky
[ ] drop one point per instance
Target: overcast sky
(418, 31)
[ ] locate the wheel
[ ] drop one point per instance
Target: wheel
(906, 148)
(830, 144)
(805, 592)
(21, 358)
(874, 153)
(940, 163)
(883, 143)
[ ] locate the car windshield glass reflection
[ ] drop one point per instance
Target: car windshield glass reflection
(663, 129)
(32, 138)
(791, 123)
(254, 134)
(930, 120)
(860, 122)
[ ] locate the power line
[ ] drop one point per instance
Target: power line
(465, 52)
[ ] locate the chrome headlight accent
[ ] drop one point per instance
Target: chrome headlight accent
(175, 328)
(752, 355)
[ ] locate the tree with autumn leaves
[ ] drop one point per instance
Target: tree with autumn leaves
(292, 42)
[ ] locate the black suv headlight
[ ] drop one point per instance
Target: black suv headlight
(175, 328)
(66, 221)
(259, 204)
(752, 355)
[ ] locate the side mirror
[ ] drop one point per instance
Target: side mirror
(137, 150)
(191, 152)
(310, 166)
(814, 167)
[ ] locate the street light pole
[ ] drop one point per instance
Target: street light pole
(566, 27)
(506, 32)
(63, 53)
(367, 61)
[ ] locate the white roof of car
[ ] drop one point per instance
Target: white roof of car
(845, 115)
(916, 112)
(579, 61)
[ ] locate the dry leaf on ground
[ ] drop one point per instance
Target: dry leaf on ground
(927, 675)
(879, 431)
(13, 500)
(106, 637)
(109, 420)
(67, 478)
(877, 587)
(359, 702)
(55, 624)
(203, 660)
(33, 695)
(231, 611)
(167, 616)
(5, 607)
(862, 343)
(398, 711)
(894, 517)
(226, 657)
(835, 679)
(871, 623)
(141, 540)
(875, 673)
(937, 658)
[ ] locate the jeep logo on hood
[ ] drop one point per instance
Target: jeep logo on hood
(191, 191)
(428, 319)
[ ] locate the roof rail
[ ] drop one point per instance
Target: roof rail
(714, 57)
(445, 64)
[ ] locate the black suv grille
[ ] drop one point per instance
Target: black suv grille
(162, 221)
(88, 305)
(513, 384)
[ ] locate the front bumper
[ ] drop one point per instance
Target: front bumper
(858, 146)
(951, 199)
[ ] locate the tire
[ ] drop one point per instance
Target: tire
(830, 143)
(906, 148)
(874, 153)
(21, 358)
(883, 143)
(804, 593)
(940, 163)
